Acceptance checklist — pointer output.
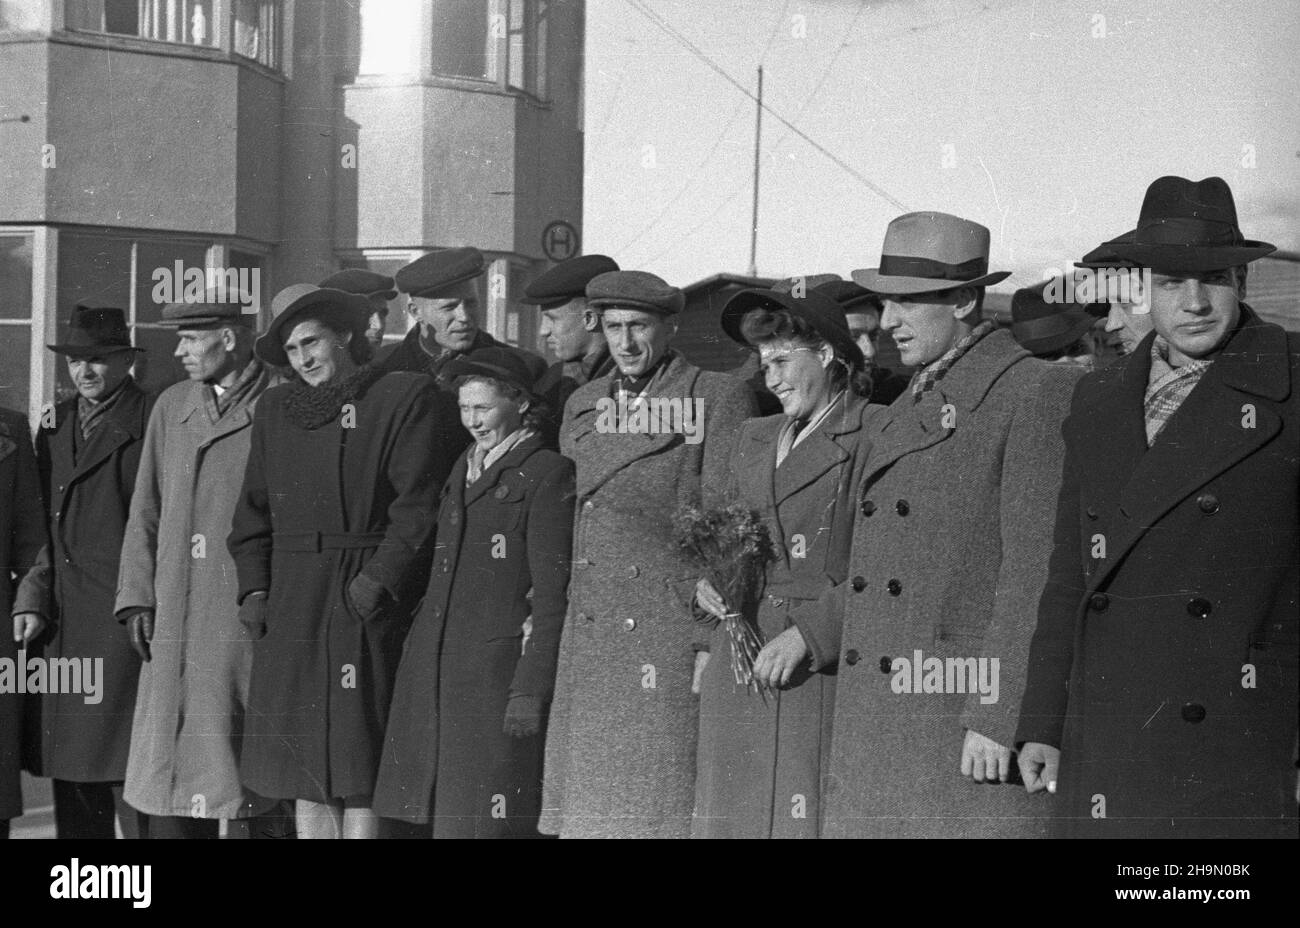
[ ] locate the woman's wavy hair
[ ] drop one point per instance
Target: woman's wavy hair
(766, 324)
(534, 417)
(341, 322)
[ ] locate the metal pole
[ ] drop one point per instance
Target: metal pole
(758, 137)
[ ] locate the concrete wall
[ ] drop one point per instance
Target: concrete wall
(24, 77)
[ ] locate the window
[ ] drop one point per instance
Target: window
(254, 25)
(463, 40)
(15, 320)
(257, 31)
(526, 48)
(390, 37)
(20, 15)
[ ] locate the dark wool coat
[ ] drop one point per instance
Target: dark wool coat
(22, 535)
(502, 554)
(1197, 587)
(761, 763)
(620, 746)
(189, 710)
(318, 507)
(89, 504)
(950, 547)
(559, 383)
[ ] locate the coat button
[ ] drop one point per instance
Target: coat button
(583, 617)
(1208, 502)
(859, 584)
(894, 587)
(902, 508)
(1092, 513)
(454, 517)
(1193, 712)
(886, 665)
(588, 506)
(633, 572)
(851, 657)
(1199, 607)
(629, 624)
(1098, 602)
(868, 508)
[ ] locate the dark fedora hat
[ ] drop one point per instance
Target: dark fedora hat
(1190, 226)
(497, 363)
(853, 297)
(1042, 327)
(929, 252)
(817, 309)
(292, 303)
(95, 330)
(1104, 255)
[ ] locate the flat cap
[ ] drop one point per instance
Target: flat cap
(497, 362)
(567, 280)
(635, 290)
(359, 280)
(851, 297)
(219, 306)
(438, 271)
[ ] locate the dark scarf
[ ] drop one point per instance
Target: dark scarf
(235, 393)
(92, 415)
(312, 407)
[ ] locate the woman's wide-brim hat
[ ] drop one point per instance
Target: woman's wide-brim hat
(496, 363)
(293, 302)
(1041, 327)
(931, 252)
(1189, 226)
(95, 331)
(824, 315)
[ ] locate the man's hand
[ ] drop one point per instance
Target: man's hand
(709, 599)
(139, 627)
(1038, 766)
(27, 625)
(252, 614)
(523, 716)
(780, 658)
(984, 760)
(366, 596)
(701, 661)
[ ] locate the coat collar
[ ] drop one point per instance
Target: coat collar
(237, 417)
(819, 452)
(509, 461)
(599, 456)
(908, 426)
(124, 423)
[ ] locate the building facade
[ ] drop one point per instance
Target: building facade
(140, 139)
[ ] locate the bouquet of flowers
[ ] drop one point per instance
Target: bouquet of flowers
(731, 546)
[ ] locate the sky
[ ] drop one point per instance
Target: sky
(1045, 120)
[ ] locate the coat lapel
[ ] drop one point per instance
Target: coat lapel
(122, 425)
(599, 455)
(817, 453)
(492, 475)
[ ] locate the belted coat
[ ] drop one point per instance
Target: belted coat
(88, 489)
(950, 546)
(1165, 661)
(620, 745)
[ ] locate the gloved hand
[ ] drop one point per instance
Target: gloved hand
(252, 614)
(523, 716)
(366, 596)
(139, 627)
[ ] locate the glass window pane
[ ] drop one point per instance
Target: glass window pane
(160, 280)
(461, 38)
(257, 27)
(20, 15)
(390, 30)
(15, 277)
(92, 267)
(158, 368)
(15, 366)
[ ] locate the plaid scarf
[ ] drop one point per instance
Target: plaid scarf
(218, 406)
(631, 388)
(92, 415)
(1167, 387)
(928, 377)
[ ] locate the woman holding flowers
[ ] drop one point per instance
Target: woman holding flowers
(764, 741)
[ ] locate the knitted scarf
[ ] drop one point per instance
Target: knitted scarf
(311, 407)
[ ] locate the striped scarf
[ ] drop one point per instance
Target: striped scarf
(1167, 387)
(92, 415)
(928, 377)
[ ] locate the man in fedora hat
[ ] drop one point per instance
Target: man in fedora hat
(949, 552)
(176, 587)
(1128, 319)
(1053, 331)
(442, 290)
(572, 330)
(620, 750)
(378, 289)
(863, 309)
(1162, 678)
(87, 457)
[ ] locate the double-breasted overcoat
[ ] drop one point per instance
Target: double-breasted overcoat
(320, 506)
(1174, 595)
(88, 491)
(761, 761)
(620, 746)
(22, 535)
(501, 555)
(187, 733)
(950, 546)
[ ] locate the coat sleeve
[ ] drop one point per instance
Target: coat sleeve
(29, 543)
(135, 576)
(821, 622)
(1051, 651)
(549, 545)
(418, 465)
(249, 541)
(1030, 485)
